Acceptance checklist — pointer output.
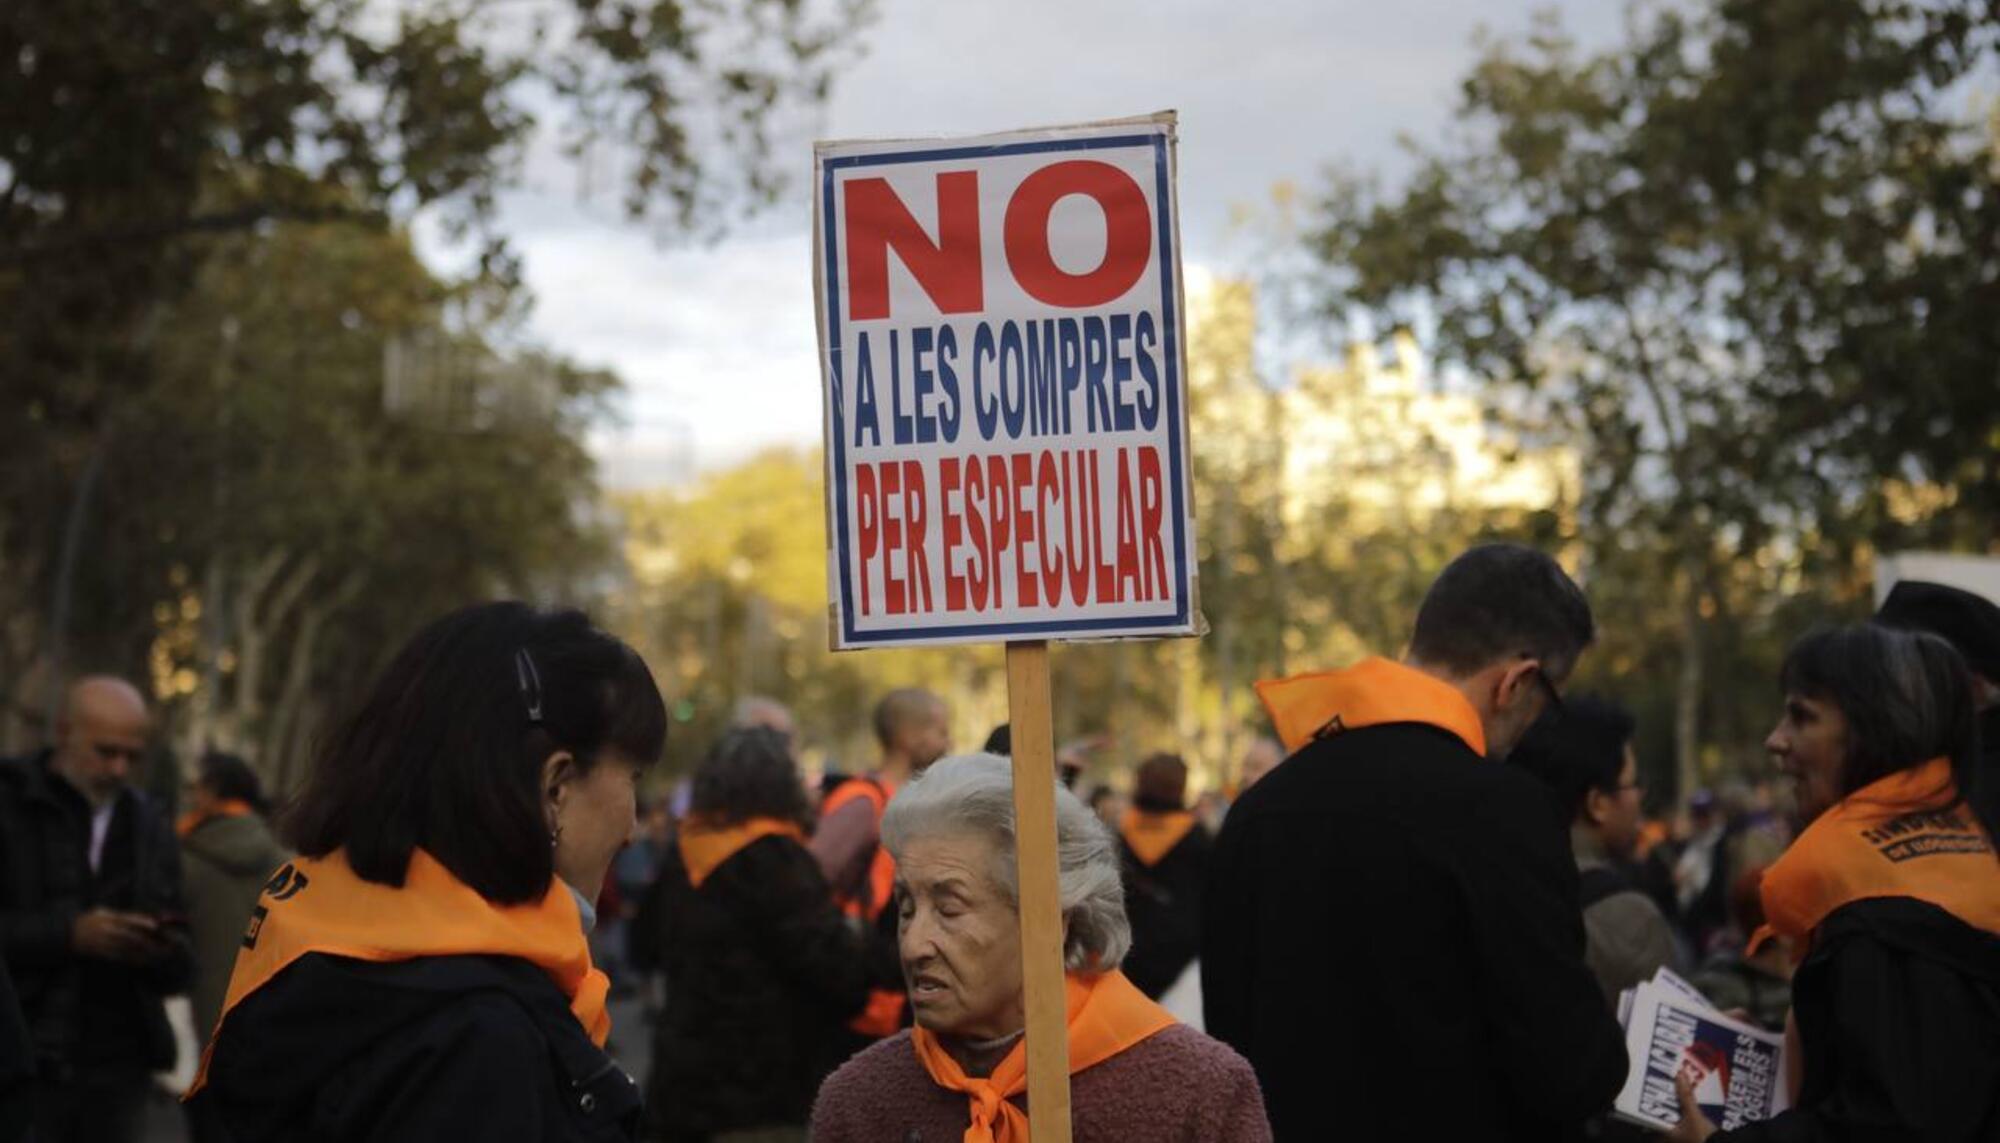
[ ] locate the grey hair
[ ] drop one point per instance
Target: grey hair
(974, 794)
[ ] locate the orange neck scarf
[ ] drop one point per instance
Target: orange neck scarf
(228, 808)
(1151, 836)
(704, 848)
(1107, 1014)
(319, 905)
(1373, 692)
(1888, 839)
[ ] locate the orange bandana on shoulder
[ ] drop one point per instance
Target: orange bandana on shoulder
(1107, 1015)
(1152, 836)
(1373, 692)
(704, 849)
(1889, 839)
(228, 808)
(319, 905)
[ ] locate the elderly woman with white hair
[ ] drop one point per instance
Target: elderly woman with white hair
(961, 1073)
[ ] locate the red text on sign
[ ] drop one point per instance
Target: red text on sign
(949, 268)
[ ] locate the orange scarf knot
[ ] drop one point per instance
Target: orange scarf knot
(1151, 836)
(1107, 1015)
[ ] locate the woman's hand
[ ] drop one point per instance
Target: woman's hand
(1694, 1127)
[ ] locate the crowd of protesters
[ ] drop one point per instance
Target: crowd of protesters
(1407, 913)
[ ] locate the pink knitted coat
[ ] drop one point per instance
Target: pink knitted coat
(1177, 1086)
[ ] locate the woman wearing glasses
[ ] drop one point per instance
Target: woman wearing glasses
(421, 971)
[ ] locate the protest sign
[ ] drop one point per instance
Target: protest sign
(1006, 437)
(1005, 404)
(1671, 1031)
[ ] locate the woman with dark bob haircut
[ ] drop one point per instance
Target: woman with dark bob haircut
(420, 971)
(763, 970)
(1890, 897)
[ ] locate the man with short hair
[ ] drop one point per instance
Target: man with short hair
(1584, 756)
(913, 729)
(91, 917)
(1390, 933)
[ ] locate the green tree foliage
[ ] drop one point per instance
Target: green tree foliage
(728, 599)
(1748, 258)
(200, 204)
(271, 527)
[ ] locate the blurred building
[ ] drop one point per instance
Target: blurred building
(1390, 439)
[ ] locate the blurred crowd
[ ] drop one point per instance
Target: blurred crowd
(1421, 875)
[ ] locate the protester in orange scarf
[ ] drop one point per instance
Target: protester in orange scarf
(764, 969)
(1891, 896)
(421, 969)
(1166, 872)
(320, 906)
(961, 1074)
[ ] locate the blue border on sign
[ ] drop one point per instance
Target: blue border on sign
(1170, 340)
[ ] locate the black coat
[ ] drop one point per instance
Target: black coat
(17, 1065)
(1391, 937)
(762, 972)
(438, 1049)
(81, 1012)
(1163, 903)
(1898, 1008)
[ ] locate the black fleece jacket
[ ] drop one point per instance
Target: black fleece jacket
(435, 1049)
(1898, 1007)
(1391, 936)
(762, 972)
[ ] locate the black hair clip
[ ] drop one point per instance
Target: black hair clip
(531, 685)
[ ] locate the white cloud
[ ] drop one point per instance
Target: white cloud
(717, 344)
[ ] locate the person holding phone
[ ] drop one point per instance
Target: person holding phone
(92, 923)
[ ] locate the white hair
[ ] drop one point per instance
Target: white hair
(974, 794)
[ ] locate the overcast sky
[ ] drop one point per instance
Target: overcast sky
(717, 344)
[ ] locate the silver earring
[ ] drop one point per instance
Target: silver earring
(555, 835)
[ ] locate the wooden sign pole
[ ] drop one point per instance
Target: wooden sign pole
(1040, 894)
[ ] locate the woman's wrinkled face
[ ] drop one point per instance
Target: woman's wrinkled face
(1809, 745)
(595, 814)
(959, 939)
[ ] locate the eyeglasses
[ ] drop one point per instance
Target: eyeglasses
(112, 753)
(1549, 690)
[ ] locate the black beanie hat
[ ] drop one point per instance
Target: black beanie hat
(1968, 622)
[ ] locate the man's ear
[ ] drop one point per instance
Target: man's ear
(1513, 684)
(1594, 800)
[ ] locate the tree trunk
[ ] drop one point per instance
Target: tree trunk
(282, 728)
(1687, 688)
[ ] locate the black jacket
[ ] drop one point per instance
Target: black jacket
(1898, 1008)
(17, 1065)
(1163, 903)
(441, 1048)
(81, 1012)
(1391, 937)
(762, 972)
